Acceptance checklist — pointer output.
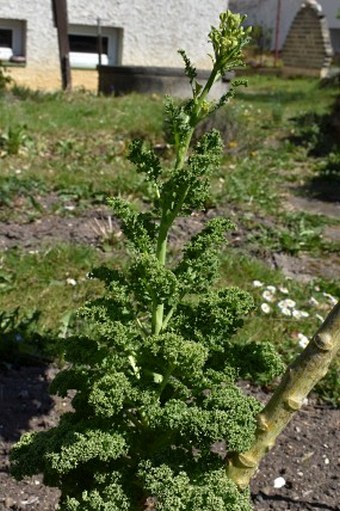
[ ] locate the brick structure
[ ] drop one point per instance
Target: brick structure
(307, 49)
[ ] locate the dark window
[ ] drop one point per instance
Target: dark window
(6, 38)
(87, 44)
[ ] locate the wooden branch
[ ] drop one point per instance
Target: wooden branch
(299, 379)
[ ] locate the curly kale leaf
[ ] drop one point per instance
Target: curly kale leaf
(60, 450)
(225, 415)
(145, 160)
(152, 281)
(215, 318)
(82, 447)
(177, 123)
(110, 276)
(171, 490)
(139, 228)
(199, 266)
(171, 355)
(109, 494)
(189, 187)
(191, 73)
(109, 394)
(257, 361)
(75, 378)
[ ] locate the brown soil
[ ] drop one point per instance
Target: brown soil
(306, 455)
(88, 228)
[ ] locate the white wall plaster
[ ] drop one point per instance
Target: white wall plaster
(152, 29)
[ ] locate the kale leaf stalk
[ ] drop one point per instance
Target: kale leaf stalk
(299, 379)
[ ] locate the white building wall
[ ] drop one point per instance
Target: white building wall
(41, 36)
(152, 30)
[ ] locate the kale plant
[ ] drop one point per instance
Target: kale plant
(153, 373)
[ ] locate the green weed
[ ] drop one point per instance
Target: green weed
(13, 139)
(5, 79)
(296, 232)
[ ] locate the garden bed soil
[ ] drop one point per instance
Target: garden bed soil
(91, 227)
(306, 455)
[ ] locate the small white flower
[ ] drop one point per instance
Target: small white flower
(279, 482)
(300, 314)
(332, 300)
(271, 289)
(285, 311)
(287, 303)
(265, 308)
(257, 283)
(313, 301)
(69, 207)
(283, 290)
(71, 282)
(268, 296)
(320, 318)
(303, 340)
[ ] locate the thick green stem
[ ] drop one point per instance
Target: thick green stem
(210, 82)
(169, 216)
(167, 220)
(300, 378)
(158, 308)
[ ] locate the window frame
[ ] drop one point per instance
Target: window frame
(18, 46)
(113, 35)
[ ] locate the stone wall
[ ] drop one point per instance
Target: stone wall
(264, 13)
(307, 49)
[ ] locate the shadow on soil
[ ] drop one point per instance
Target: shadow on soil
(323, 188)
(23, 374)
(308, 506)
(320, 134)
(23, 398)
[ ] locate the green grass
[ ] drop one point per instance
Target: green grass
(62, 114)
(75, 146)
(52, 281)
(293, 96)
